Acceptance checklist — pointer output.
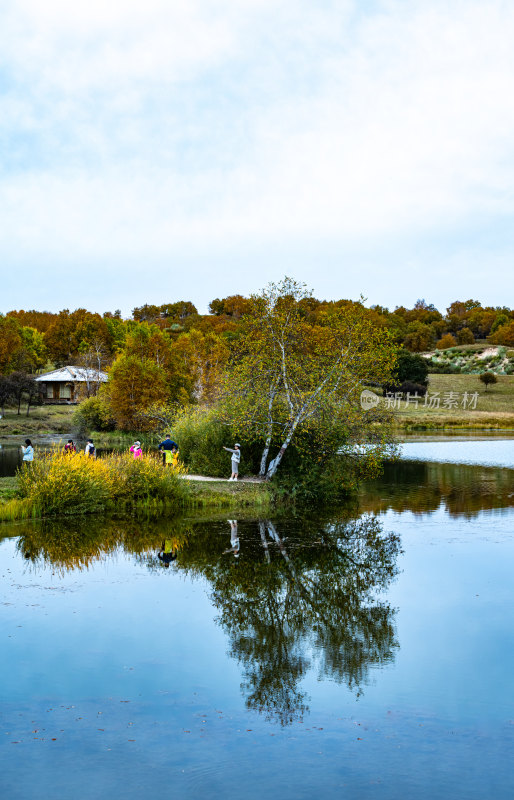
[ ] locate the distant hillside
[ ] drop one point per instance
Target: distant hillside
(472, 359)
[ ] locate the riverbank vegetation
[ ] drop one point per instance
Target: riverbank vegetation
(281, 372)
(60, 484)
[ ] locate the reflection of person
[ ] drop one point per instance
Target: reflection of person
(234, 538)
(28, 451)
(136, 451)
(168, 552)
(235, 459)
(70, 447)
(166, 448)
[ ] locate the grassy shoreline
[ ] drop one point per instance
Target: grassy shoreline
(215, 496)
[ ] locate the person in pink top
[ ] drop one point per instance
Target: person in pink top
(136, 450)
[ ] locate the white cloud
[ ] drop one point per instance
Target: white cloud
(143, 128)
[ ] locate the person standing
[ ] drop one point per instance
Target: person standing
(235, 459)
(166, 447)
(90, 449)
(70, 448)
(136, 450)
(28, 452)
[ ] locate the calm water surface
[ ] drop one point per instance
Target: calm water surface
(368, 653)
(492, 451)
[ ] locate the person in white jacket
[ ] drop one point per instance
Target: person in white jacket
(236, 458)
(28, 451)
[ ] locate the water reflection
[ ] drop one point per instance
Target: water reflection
(301, 595)
(421, 487)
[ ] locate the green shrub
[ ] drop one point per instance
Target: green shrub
(410, 367)
(444, 368)
(201, 436)
(93, 415)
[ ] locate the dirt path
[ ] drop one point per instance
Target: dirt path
(221, 480)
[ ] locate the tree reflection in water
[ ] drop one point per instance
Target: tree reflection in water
(292, 595)
(463, 490)
(299, 597)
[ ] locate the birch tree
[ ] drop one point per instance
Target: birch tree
(289, 375)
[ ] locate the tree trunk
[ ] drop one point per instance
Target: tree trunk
(264, 458)
(265, 452)
(274, 465)
(262, 531)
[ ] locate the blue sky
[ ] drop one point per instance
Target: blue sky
(189, 149)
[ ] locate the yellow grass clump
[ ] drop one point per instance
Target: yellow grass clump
(63, 483)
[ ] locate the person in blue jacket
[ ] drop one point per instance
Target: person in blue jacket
(166, 447)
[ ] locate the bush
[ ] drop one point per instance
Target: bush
(407, 387)
(447, 341)
(465, 336)
(63, 484)
(444, 368)
(93, 415)
(76, 484)
(201, 436)
(411, 367)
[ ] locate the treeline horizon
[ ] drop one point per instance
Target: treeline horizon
(30, 340)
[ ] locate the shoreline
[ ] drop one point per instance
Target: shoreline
(214, 494)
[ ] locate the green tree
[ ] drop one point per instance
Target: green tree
(465, 336)
(288, 376)
(410, 367)
(488, 378)
(501, 319)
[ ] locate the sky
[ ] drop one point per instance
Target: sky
(162, 150)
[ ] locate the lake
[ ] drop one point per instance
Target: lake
(365, 652)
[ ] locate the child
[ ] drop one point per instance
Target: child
(136, 450)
